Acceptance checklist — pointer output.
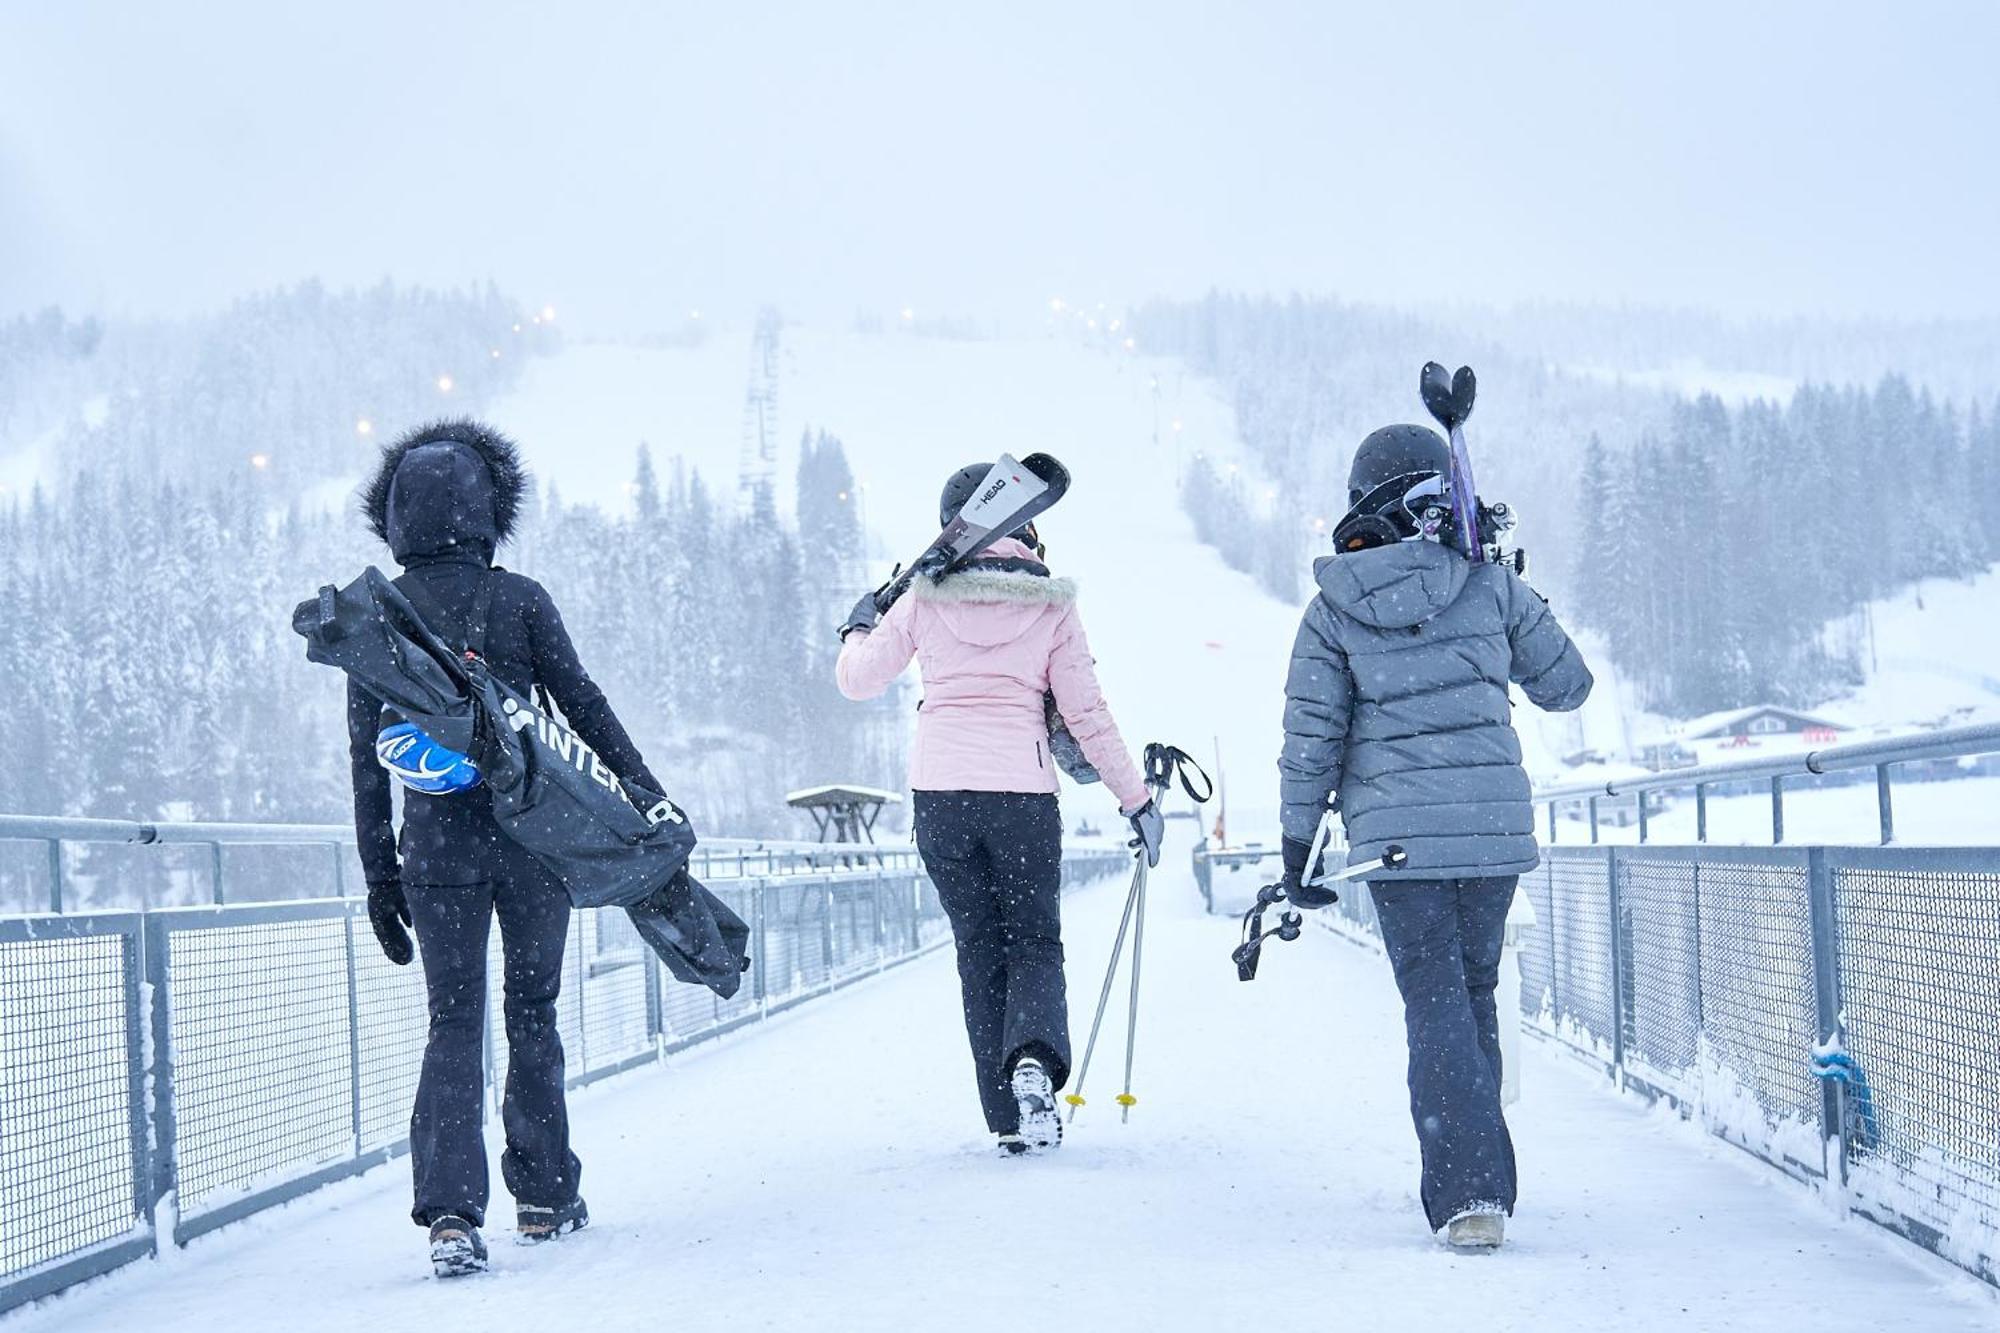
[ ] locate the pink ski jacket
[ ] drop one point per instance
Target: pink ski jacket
(990, 642)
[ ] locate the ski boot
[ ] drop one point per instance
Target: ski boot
(534, 1224)
(1040, 1127)
(456, 1247)
(1477, 1230)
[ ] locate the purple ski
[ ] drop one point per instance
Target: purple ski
(1449, 399)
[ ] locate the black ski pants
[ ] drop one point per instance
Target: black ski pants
(1444, 939)
(996, 859)
(447, 1146)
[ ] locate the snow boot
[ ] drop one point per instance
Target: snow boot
(1477, 1230)
(535, 1224)
(1040, 1127)
(456, 1247)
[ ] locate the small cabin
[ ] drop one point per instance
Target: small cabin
(1751, 726)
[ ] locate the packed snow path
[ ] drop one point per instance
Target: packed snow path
(826, 1172)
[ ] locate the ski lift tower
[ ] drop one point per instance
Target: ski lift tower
(757, 464)
(843, 813)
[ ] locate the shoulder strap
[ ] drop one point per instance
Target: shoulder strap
(435, 617)
(482, 609)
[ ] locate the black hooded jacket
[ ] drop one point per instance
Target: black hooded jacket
(444, 498)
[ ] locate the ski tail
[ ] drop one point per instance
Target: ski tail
(1013, 494)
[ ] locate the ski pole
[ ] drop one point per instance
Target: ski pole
(1075, 1099)
(1126, 1101)
(1162, 764)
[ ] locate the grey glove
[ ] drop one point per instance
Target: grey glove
(1149, 828)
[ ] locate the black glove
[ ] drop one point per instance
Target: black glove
(868, 612)
(389, 914)
(865, 615)
(1297, 856)
(1149, 829)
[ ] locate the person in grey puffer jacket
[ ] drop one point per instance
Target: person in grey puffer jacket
(1397, 715)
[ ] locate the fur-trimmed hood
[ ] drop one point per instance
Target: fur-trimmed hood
(447, 487)
(995, 585)
(1005, 572)
(996, 598)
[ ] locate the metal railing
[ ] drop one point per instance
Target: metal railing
(1883, 756)
(57, 838)
(163, 1073)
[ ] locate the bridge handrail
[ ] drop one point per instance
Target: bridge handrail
(66, 828)
(1946, 743)
(733, 857)
(1881, 755)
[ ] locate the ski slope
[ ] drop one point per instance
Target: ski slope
(1188, 650)
(827, 1172)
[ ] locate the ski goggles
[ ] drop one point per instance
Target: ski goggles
(1410, 507)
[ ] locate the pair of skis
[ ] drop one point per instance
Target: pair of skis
(1013, 493)
(1448, 397)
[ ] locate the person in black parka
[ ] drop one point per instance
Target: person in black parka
(444, 498)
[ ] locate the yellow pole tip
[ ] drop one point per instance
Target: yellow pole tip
(1073, 1099)
(1127, 1099)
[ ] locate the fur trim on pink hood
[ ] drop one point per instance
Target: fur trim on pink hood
(990, 643)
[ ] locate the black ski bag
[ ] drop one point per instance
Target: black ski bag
(611, 845)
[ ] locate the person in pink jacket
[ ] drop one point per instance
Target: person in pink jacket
(994, 641)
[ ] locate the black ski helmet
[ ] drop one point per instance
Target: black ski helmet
(958, 488)
(1395, 451)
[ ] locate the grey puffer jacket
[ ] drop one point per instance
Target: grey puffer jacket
(1397, 702)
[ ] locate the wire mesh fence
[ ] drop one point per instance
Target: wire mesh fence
(1713, 976)
(164, 1073)
(70, 1143)
(1727, 980)
(1919, 940)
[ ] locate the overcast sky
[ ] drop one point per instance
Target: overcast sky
(626, 162)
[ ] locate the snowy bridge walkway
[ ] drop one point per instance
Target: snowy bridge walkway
(823, 1172)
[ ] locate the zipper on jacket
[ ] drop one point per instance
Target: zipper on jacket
(1038, 755)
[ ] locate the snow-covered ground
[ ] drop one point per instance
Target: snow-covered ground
(828, 1172)
(1937, 656)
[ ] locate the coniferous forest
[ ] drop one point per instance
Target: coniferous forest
(1726, 554)
(209, 492)
(207, 488)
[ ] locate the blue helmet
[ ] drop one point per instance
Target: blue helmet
(421, 764)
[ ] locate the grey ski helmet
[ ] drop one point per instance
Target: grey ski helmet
(1395, 451)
